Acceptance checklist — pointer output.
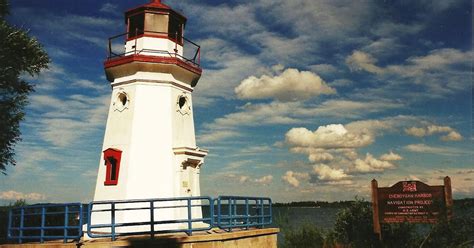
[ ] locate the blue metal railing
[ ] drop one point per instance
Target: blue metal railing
(147, 215)
(46, 222)
(111, 219)
(243, 212)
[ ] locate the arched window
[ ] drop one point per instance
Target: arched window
(112, 159)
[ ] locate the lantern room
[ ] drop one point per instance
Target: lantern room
(154, 41)
(154, 29)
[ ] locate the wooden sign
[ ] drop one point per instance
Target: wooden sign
(412, 202)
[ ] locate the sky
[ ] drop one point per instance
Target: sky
(299, 99)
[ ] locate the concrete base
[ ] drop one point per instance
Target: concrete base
(216, 238)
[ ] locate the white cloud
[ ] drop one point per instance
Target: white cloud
(320, 157)
(326, 173)
(243, 179)
(64, 122)
(391, 157)
(110, 8)
(423, 148)
(416, 131)
(14, 195)
(440, 72)
(217, 135)
(371, 164)
(255, 150)
(359, 60)
(328, 137)
(265, 180)
(87, 84)
(293, 178)
(290, 85)
(451, 134)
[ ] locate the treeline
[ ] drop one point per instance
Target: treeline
(354, 228)
(315, 204)
(461, 203)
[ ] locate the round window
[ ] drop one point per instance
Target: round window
(121, 102)
(183, 106)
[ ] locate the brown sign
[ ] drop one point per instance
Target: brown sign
(410, 201)
(413, 202)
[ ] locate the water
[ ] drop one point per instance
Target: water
(323, 218)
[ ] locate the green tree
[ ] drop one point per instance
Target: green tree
(354, 226)
(19, 54)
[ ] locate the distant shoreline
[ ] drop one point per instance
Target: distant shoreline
(342, 204)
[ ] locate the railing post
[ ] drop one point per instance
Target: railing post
(22, 219)
(136, 33)
(112, 215)
(152, 219)
(219, 211)
(247, 212)
(176, 44)
(271, 211)
(89, 219)
(43, 217)
(81, 217)
(66, 222)
(190, 225)
(211, 210)
(199, 56)
(230, 216)
(10, 223)
(262, 213)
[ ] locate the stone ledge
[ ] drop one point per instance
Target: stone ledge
(215, 238)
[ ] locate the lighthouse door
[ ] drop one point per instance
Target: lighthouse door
(188, 174)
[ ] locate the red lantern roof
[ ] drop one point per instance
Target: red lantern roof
(154, 5)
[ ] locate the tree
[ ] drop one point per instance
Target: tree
(20, 54)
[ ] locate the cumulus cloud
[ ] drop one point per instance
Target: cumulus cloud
(327, 137)
(326, 173)
(451, 134)
(290, 85)
(371, 164)
(14, 195)
(294, 178)
(391, 157)
(320, 157)
(265, 180)
(359, 60)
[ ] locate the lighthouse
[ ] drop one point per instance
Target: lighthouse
(149, 148)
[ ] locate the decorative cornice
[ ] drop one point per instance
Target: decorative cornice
(131, 81)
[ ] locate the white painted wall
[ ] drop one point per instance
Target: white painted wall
(152, 43)
(147, 130)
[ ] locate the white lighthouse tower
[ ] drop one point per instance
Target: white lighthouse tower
(149, 148)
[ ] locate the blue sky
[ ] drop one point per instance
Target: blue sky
(299, 99)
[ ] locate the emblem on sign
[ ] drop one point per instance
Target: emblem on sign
(409, 186)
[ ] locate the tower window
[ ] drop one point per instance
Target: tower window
(181, 101)
(123, 99)
(112, 159)
(175, 30)
(136, 25)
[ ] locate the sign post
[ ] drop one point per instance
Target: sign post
(412, 202)
(375, 209)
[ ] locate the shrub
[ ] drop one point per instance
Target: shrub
(306, 236)
(354, 226)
